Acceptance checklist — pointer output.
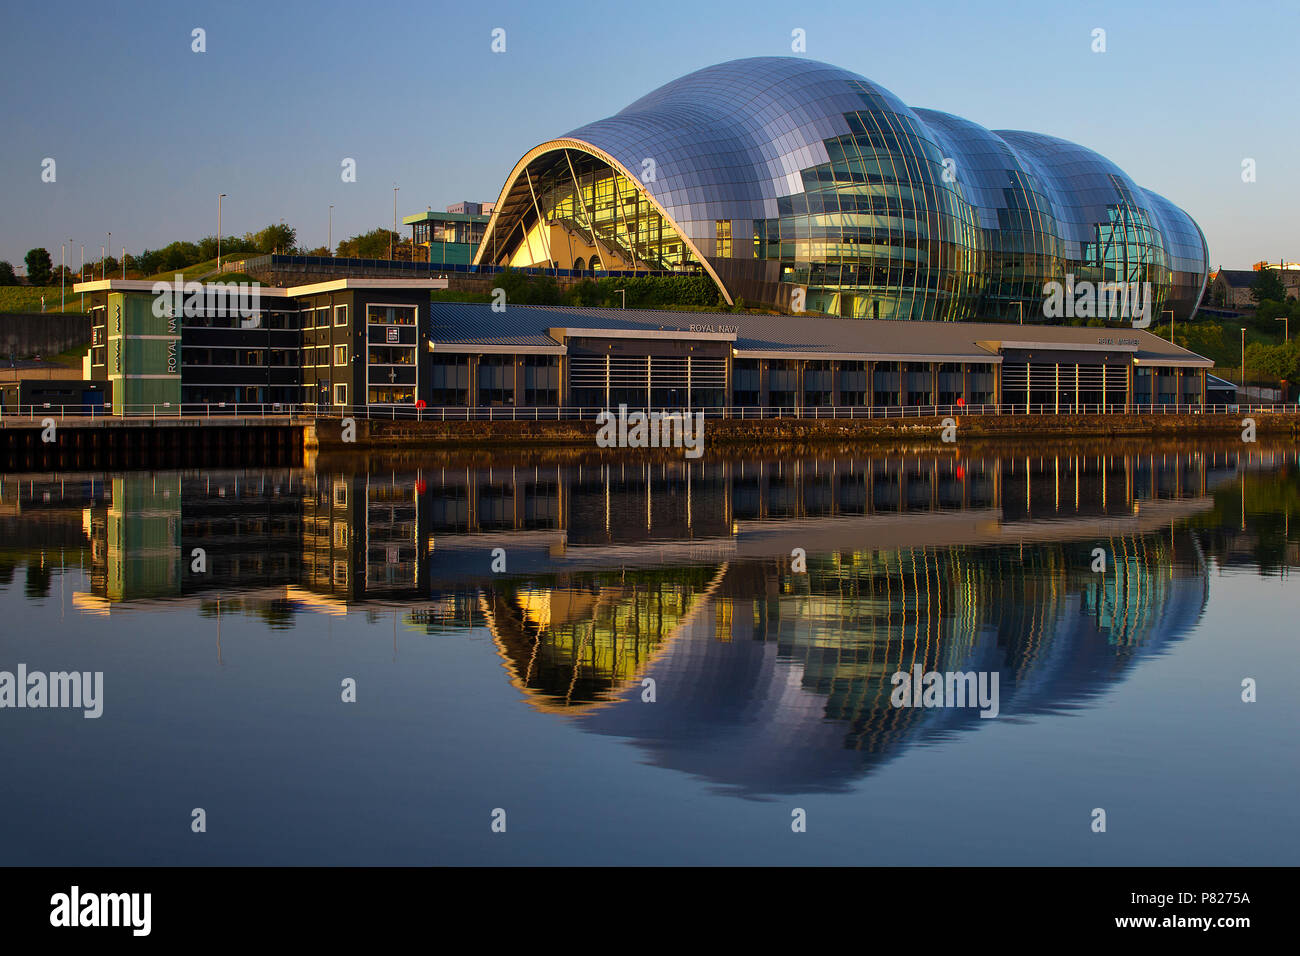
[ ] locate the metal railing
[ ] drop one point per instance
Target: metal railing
(455, 413)
(422, 269)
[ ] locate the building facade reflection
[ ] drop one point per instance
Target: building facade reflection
(769, 679)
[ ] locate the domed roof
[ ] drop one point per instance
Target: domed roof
(784, 172)
(737, 133)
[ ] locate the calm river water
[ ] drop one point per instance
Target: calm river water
(671, 662)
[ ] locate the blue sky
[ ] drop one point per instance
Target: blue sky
(146, 133)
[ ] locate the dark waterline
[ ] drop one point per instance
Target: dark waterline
(524, 688)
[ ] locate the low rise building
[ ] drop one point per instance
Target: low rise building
(378, 344)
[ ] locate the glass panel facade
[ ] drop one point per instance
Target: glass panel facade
(786, 173)
(591, 217)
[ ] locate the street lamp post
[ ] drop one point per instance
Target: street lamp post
(1021, 307)
(63, 268)
(1286, 327)
(82, 275)
(220, 196)
(1243, 362)
(624, 292)
(331, 232)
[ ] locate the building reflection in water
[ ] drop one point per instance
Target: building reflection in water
(766, 680)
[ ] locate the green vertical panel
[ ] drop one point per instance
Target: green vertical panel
(143, 356)
(114, 356)
(144, 537)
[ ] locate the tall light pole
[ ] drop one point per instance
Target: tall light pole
(82, 275)
(1243, 360)
(1021, 307)
(124, 263)
(63, 270)
(392, 239)
(220, 197)
(103, 254)
(1286, 327)
(331, 234)
(624, 291)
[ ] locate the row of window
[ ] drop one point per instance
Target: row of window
(240, 358)
(318, 356)
(319, 317)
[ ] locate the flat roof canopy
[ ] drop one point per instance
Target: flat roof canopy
(799, 337)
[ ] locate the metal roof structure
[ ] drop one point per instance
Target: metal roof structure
(432, 216)
(459, 326)
(783, 172)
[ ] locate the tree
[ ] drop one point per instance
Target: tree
(1277, 362)
(39, 266)
(1267, 314)
(583, 293)
(274, 238)
(515, 285)
(7, 276)
(1267, 287)
(524, 289)
(369, 245)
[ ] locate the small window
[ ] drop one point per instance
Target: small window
(391, 314)
(340, 394)
(340, 315)
(722, 229)
(340, 355)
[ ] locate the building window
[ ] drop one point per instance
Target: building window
(723, 232)
(496, 380)
(392, 396)
(340, 394)
(449, 384)
(391, 314)
(340, 315)
(340, 355)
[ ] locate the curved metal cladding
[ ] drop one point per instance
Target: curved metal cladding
(779, 173)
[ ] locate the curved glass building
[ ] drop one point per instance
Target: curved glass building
(777, 173)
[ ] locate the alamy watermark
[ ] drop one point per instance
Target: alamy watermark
(192, 299)
(651, 430)
(946, 689)
(1098, 300)
(36, 689)
(75, 908)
